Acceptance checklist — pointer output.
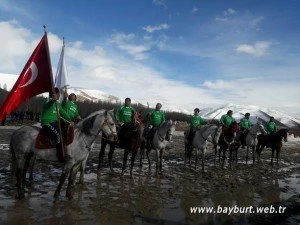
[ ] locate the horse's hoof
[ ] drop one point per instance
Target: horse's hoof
(20, 195)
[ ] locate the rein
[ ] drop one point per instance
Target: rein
(96, 135)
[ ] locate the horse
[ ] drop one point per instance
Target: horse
(131, 143)
(162, 136)
(251, 139)
(22, 146)
(226, 139)
(273, 141)
(200, 142)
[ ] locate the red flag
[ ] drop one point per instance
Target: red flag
(35, 78)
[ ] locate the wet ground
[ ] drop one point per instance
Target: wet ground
(149, 199)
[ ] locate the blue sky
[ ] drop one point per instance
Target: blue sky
(185, 54)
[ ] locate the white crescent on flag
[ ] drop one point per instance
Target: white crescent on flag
(34, 73)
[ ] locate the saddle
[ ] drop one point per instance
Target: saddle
(46, 141)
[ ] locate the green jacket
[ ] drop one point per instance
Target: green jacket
(70, 108)
(271, 127)
(125, 114)
(245, 123)
(226, 120)
(157, 118)
(197, 121)
(49, 114)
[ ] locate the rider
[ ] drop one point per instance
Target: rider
(70, 107)
(226, 120)
(271, 127)
(245, 125)
(156, 118)
(196, 122)
(124, 116)
(49, 120)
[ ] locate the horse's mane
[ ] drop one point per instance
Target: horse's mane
(86, 124)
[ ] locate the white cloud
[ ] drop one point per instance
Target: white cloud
(255, 22)
(256, 49)
(124, 42)
(221, 19)
(229, 11)
(218, 84)
(160, 3)
(151, 29)
(194, 10)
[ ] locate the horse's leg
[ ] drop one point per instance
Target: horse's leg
(253, 155)
(230, 156)
(185, 153)
(247, 154)
(110, 155)
(216, 152)
(157, 160)
(272, 156)
(277, 155)
(82, 168)
(72, 178)
(203, 155)
(149, 161)
(142, 152)
(258, 152)
(196, 158)
(101, 154)
(190, 151)
(220, 155)
(65, 172)
(19, 176)
(26, 166)
(31, 168)
(133, 154)
(126, 152)
(160, 160)
(224, 154)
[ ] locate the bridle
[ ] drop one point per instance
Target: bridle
(105, 122)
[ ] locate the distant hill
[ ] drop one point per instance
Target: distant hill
(257, 113)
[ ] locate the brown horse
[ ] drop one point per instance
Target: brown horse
(226, 139)
(131, 141)
(273, 141)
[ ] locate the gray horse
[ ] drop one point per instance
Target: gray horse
(22, 145)
(251, 139)
(162, 137)
(202, 137)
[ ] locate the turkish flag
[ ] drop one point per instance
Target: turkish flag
(35, 78)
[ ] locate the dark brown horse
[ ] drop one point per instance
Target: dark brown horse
(273, 141)
(226, 139)
(131, 141)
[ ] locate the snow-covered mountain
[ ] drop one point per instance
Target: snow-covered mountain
(256, 113)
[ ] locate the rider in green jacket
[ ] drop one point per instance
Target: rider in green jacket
(49, 120)
(245, 125)
(196, 122)
(226, 120)
(124, 116)
(271, 126)
(69, 105)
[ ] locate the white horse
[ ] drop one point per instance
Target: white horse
(22, 145)
(162, 137)
(251, 139)
(200, 141)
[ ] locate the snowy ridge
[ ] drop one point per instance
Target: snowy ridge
(257, 113)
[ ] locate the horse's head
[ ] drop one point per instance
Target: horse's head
(261, 128)
(109, 126)
(284, 134)
(233, 129)
(170, 129)
(216, 136)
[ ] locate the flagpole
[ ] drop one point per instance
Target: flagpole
(53, 91)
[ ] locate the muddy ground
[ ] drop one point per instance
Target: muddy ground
(149, 199)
